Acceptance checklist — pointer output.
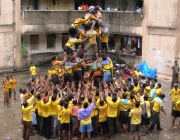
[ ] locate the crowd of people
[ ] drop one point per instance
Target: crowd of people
(80, 97)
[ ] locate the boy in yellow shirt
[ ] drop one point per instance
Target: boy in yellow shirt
(65, 121)
(135, 115)
(33, 71)
(6, 92)
(13, 86)
(175, 92)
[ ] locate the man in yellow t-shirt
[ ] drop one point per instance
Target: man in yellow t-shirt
(175, 92)
(175, 112)
(6, 92)
(33, 71)
(9, 83)
(135, 115)
(13, 86)
(27, 118)
(65, 121)
(157, 107)
(138, 73)
(46, 116)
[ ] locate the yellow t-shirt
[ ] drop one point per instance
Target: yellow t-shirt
(175, 94)
(55, 66)
(13, 84)
(65, 115)
(10, 83)
(50, 72)
(158, 91)
(177, 106)
(104, 38)
(123, 107)
(147, 108)
(77, 22)
(77, 67)
(88, 17)
(53, 107)
(46, 108)
(86, 121)
(59, 108)
(33, 70)
(103, 113)
(81, 35)
(157, 106)
(135, 115)
(27, 113)
(92, 38)
(31, 102)
(138, 74)
(112, 107)
(39, 107)
(5, 87)
(147, 90)
(72, 42)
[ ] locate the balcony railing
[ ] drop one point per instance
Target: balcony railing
(59, 21)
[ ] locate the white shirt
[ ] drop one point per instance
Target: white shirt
(79, 8)
(91, 7)
(139, 10)
(21, 98)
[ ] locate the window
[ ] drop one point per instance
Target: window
(34, 42)
(51, 40)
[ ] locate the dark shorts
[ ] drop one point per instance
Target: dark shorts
(111, 124)
(68, 77)
(74, 121)
(135, 128)
(65, 126)
(58, 125)
(99, 43)
(78, 74)
(175, 113)
(124, 117)
(104, 46)
(68, 50)
(103, 124)
(10, 92)
(55, 79)
(145, 121)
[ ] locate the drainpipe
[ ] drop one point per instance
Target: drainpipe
(14, 35)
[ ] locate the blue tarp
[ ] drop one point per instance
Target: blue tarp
(146, 71)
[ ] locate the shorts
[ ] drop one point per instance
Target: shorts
(99, 43)
(124, 117)
(111, 125)
(103, 124)
(34, 120)
(68, 77)
(6, 97)
(104, 46)
(145, 121)
(135, 128)
(55, 79)
(10, 92)
(34, 76)
(85, 128)
(107, 76)
(68, 50)
(13, 90)
(175, 113)
(78, 74)
(65, 126)
(58, 125)
(74, 121)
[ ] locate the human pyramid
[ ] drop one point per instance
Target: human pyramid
(80, 98)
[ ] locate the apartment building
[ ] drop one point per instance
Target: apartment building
(43, 29)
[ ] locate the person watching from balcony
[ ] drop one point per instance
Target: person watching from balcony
(133, 50)
(79, 8)
(138, 9)
(109, 8)
(128, 8)
(83, 6)
(87, 7)
(115, 8)
(91, 7)
(100, 9)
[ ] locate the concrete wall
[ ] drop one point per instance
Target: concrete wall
(44, 21)
(42, 44)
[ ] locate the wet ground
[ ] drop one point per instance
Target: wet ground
(10, 118)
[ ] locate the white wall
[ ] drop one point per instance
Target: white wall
(6, 16)
(42, 45)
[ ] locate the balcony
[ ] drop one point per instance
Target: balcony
(38, 22)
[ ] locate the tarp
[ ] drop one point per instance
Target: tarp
(146, 71)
